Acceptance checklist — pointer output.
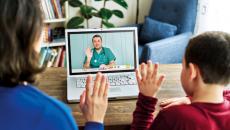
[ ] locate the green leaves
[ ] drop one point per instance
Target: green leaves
(86, 11)
(122, 3)
(95, 14)
(75, 22)
(105, 14)
(75, 3)
(107, 24)
(118, 13)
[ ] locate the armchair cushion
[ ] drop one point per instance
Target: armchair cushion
(166, 51)
(154, 30)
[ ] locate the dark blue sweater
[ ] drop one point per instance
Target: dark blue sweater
(26, 108)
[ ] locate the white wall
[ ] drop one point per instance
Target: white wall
(129, 14)
(213, 15)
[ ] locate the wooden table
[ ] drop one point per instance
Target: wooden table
(119, 113)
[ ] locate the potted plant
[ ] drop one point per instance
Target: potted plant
(87, 12)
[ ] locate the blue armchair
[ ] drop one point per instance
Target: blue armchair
(182, 14)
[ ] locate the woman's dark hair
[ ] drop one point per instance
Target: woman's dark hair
(20, 28)
(210, 51)
(96, 36)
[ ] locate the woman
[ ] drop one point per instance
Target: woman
(22, 106)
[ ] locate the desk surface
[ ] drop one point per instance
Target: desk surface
(53, 82)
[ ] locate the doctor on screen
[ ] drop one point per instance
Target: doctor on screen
(99, 56)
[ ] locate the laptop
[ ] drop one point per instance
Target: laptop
(116, 56)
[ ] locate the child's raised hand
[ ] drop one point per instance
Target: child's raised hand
(149, 81)
(93, 103)
(174, 102)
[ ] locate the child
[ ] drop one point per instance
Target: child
(22, 106)
(205, 72)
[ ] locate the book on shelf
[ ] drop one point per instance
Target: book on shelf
(49, 15)
(56, 62)
(47, 58)
(45, 10)
(43, 53)
(53, 35)
(62, 58)
(47, 33)
(52, 9)
(52, 57)
(57, 8)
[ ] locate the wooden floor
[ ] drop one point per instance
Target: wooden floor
(119, 113)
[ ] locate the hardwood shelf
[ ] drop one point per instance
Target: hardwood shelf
(55, 43)
(55, 20)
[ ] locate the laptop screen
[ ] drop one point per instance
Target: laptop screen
(106, 50)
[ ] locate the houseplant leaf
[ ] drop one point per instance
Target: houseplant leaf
(95, 14)
(105, 13)
(108, 24)
(75, 22)
(63, 1)
(121, 3)
(118, 13)
(75, 3)
(86, 11)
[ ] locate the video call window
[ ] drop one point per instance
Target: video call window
(102, 51)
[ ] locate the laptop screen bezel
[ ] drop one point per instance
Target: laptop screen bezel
(82, 31)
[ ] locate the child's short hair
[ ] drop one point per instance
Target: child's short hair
(20, 28)
(210, 51)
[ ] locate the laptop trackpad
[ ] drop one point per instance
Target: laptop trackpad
(115, 90)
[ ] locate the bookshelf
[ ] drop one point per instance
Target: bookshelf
(56, 43)
(55, 20)
(53, 46)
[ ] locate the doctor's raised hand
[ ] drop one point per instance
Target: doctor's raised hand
(94, 100)
(89, 54)
(149, 81)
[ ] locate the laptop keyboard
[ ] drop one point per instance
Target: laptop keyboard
(114, 80)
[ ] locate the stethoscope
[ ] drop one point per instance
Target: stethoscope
(98, 59)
